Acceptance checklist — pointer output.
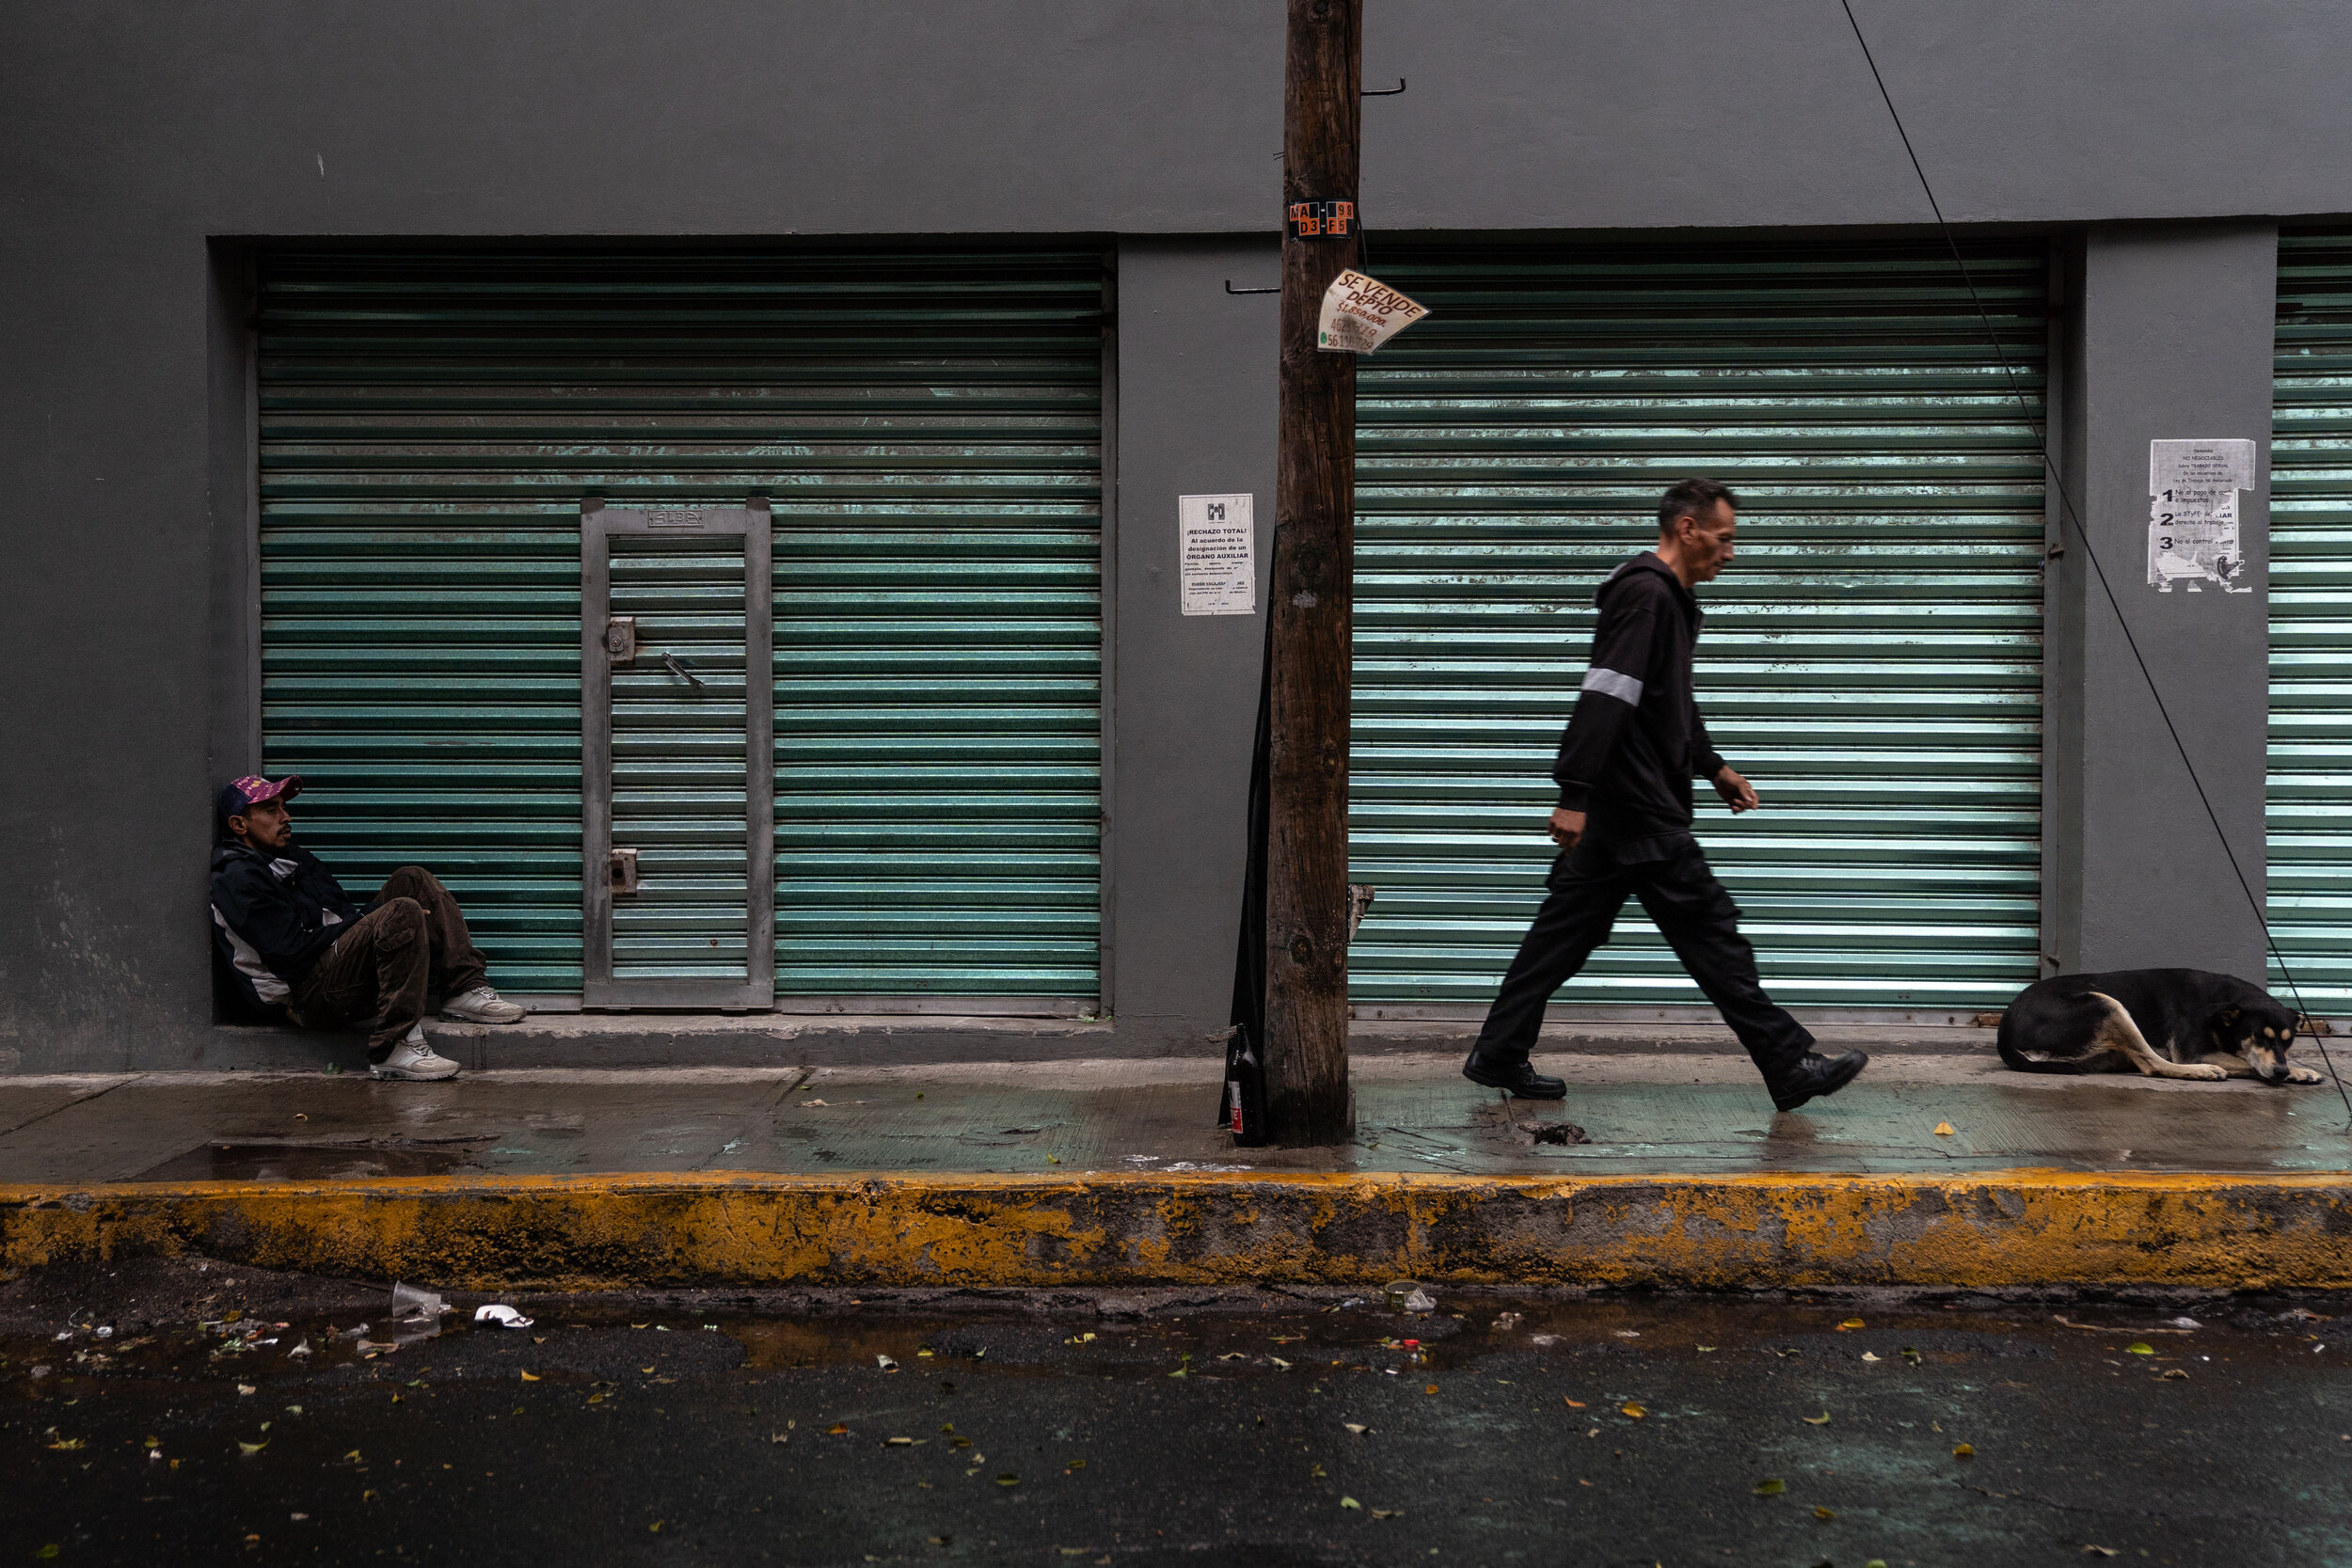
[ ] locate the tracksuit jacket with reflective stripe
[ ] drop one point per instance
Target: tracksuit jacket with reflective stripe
(1636, 741)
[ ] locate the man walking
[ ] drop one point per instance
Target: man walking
(295, 940)
(1623, 824)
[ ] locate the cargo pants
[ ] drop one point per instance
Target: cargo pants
(411, 939)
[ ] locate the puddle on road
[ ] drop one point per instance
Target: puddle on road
(214, 1161)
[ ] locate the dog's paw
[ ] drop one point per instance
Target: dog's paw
(2304, 1075)
(2200, 1071)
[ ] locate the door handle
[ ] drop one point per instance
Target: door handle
(683, 671)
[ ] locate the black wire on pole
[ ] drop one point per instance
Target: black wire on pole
(2068, 514)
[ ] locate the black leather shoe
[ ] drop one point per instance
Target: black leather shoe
(1814, 1076)
(1520, 1079)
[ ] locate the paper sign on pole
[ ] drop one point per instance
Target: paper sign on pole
(1360, 313)
(2192, 514)
(1217, 558)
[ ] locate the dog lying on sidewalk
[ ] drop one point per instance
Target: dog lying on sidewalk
(2166, 1022)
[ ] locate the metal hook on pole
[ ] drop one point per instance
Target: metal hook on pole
(1230, 290)
(1383, 92)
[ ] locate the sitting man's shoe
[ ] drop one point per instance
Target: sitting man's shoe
(413, 1059)
(1520, 1079)
(482, 1005)
(1815, 1075)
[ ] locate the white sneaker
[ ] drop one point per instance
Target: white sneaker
(412, 1058)
(482, 1005)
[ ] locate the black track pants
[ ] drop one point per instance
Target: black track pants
(1669, 874)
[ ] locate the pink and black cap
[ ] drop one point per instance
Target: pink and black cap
(251, 790)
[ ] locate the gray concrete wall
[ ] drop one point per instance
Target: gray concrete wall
(1196, 416)
(138, 143)
(2173, 334)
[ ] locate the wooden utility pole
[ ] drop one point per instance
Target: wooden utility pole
(1311, 605)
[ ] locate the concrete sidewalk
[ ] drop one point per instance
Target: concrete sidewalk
(1677, 1113)
(1107, 1171)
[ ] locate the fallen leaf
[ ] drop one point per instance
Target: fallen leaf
(2173, 1374)
(1771, 1488)
(1388, 1514)
(779, 1437)
(1824, 1513)
(245, 1389)
(1629, 1408)
(837, 1429)
(248, 1450)
(1355, 1427)
(805, 1103)
(1868, 1356)
(1431, 1390)
(68, 1444)
(1573, 1404)
(2139, 1347)
(1820, 1420)
(1009, 1479)
(2099, 1551)
(656, 1526)
(1707, 1350)
(1279, 1362)
(1350, 1502)
(1076, 1465)
(1946, 1130)
(1964, 1451)
(1849, 1325)
(530, 1377)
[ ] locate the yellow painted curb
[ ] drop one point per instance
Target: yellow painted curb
(887, 1229)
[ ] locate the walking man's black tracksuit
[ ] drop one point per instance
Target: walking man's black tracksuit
(1632, 747)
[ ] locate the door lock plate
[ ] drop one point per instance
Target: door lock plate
(624, 871)
(620, 638)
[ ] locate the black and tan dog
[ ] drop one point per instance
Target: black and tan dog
(2166, 1022)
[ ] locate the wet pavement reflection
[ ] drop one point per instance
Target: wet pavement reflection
(1257, 1426)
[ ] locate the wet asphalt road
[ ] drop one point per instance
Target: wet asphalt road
(1257, 1430)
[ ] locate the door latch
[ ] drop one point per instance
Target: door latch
(620, 638)
(624, 863)
(683, 671)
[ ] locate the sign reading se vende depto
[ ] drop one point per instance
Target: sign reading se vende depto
(1360, 312)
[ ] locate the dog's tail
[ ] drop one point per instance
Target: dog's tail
(2012, 1048)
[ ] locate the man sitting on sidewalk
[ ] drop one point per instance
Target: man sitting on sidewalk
(296, 941)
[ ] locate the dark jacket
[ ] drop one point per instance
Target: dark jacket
(270, 917)
(1636, 740)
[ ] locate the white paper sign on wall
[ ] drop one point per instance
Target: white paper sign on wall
(1217, 555)
(2192, 512)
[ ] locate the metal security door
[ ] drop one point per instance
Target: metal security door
(2310, 783)
(927, 421)
(1872, 659)
(677, 774)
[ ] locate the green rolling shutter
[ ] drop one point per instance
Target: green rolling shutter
(2309, 807)
(1871, 661)
(926, 424)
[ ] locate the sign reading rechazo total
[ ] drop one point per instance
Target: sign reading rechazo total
(1359, 314)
